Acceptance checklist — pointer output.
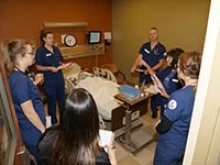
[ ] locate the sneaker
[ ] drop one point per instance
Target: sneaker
(154, 115)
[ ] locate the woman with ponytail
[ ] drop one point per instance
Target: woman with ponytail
(174, 126)
(17, 56)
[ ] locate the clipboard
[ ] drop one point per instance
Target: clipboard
(157, 84)
(106, 137)
(68, 64)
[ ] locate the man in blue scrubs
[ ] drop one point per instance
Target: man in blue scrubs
(152, 53)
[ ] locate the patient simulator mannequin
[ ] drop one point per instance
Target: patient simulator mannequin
(76, 139)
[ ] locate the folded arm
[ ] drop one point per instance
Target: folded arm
(159, 65)
(149, 69)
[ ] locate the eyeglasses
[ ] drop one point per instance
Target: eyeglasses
(33, 54)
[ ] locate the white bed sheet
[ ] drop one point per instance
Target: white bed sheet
(103, 92)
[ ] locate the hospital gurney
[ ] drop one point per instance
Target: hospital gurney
(103, 92)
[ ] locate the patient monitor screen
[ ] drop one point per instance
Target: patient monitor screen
(94, 37)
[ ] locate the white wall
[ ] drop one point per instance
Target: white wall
(203, 145)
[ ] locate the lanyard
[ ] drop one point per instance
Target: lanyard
(30, 75)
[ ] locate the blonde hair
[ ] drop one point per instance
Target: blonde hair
(153, 28)
(10, 50)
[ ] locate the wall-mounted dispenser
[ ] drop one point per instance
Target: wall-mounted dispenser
(108, 38)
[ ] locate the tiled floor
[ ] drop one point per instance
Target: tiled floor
(144, 157)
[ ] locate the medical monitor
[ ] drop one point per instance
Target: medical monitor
(94, 37)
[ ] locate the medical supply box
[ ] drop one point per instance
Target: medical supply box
(129, 92)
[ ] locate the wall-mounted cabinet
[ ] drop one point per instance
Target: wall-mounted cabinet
(64, 24)
(82, 51)
(78, 50)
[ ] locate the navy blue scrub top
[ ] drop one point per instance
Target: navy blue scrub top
(46, 58)
(169, 79)
(22, 90)
(171, 83)
(163, 73)
(179, 111)
(152, 57)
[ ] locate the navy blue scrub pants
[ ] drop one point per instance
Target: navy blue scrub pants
(169, 152)
(156, 101)
(55, 92)
(144, 79)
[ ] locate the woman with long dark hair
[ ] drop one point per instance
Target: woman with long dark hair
(76, 139)
(174, 125)
(49, 62)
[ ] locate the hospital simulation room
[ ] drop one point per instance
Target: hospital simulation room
(118, 82)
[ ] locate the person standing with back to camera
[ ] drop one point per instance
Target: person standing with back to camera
(153, 53)
(49, 62)
(76, 139)
(174, 125)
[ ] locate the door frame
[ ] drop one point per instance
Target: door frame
(17, 146)
(209, 54)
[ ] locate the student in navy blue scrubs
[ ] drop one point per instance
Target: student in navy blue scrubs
(49, 62)
(168, 77)
(173, 128)
(153, 53)
(18, 55)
